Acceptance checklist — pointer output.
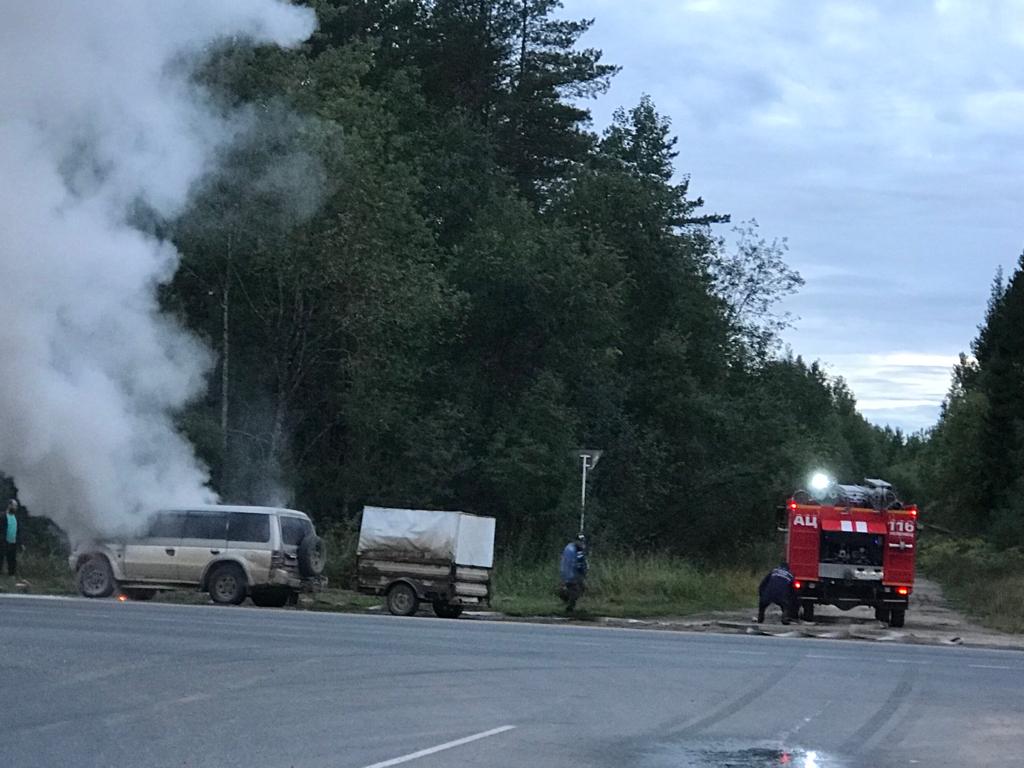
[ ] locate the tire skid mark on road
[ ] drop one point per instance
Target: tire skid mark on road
(95, 675)
(736, 704)
(897, 729)
(785, 737)
(159, 707)
(884, 714)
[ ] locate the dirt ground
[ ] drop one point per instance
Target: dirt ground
(930, 620)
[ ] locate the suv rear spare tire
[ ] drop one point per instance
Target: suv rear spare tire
(227, 584)
(95, 579)
(312, 556)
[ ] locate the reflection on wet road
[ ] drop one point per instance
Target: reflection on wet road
(738, 756)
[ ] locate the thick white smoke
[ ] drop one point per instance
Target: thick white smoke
(97, 115)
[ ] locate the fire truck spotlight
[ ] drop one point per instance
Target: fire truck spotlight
(820, 481)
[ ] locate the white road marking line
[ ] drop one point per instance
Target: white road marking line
(191, 698)
(750, 653)
(906, 661)
(990, 666)
(441, 747)
(827, 656)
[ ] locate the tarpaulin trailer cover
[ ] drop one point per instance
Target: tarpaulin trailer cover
(426, 534)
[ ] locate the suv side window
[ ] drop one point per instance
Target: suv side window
(249, 526)
(294, 530)
(206, 525)
(167, 525)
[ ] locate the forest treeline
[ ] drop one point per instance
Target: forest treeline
(969, 468)
(427, 278)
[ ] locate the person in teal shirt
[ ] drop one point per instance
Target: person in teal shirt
(10, 537)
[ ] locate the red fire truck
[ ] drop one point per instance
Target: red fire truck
(850, 545)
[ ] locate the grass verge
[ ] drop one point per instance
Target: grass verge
(40, 574)
(627, 585)
(980, 580)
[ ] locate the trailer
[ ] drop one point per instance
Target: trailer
(852, 545)
(411, 556)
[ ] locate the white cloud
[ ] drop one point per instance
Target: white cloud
(884, 139)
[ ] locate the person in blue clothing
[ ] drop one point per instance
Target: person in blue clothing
(777, 588)
(572, 572)
(9, 537)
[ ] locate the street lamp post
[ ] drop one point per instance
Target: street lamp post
(588, 460)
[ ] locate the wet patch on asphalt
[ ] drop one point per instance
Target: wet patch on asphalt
(732, 755)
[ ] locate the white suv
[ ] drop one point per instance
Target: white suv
(267, 553)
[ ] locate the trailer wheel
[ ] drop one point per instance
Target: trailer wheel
(445, 610)
(808, 612)
(402, 600)
(882, 615)
(896, 616)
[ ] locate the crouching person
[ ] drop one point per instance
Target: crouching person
(777, 589)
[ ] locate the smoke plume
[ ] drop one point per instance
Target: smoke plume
(97, 118)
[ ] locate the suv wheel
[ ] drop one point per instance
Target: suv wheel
(227, 584)
(402, 600)
(95, 579)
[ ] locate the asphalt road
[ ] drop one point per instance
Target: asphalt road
(101, 683)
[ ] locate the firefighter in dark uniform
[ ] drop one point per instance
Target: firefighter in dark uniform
(777, 589)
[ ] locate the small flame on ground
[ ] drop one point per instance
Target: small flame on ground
(122, 598)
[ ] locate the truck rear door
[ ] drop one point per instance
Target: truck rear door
(804, 541)
(900, 548)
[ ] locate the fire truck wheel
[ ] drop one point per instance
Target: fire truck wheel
(896, 617)
(808, 612)
(882, 614)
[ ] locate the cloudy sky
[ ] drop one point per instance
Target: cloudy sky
(883, 139)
